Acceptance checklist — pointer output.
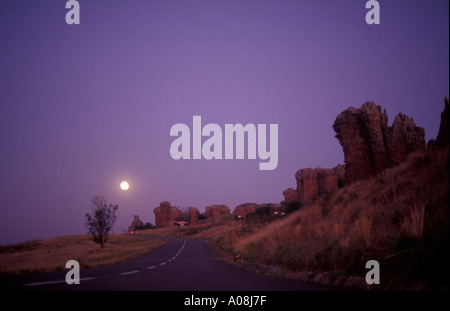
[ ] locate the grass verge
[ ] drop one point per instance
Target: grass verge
(52, 254)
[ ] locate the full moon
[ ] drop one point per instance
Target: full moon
(124, 185)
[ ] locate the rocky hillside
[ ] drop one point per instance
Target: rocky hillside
(400, 218)
(390, 204)
(394, 207)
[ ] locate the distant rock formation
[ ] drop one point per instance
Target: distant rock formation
(136, 223)
(214, 213)
(193, 215)
(243, 209)
(443, 138)
(370, 145)
(312, 183)
(165, 215)
(290, 195)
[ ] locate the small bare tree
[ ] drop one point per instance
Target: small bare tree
(102, 219)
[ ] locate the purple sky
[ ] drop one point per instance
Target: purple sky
(83, 107)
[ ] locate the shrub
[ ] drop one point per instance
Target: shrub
(144, 227)
(292, 207)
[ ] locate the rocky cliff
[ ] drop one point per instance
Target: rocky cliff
(193, 215)
(243, 209)
(313, 183)
(214, 213)
(370, 145)
(443, 138)
(165, 214)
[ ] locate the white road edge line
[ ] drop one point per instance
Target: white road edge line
(54, 282)
(152, 267)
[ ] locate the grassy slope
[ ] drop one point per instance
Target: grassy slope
(400, 218)
(52, 254)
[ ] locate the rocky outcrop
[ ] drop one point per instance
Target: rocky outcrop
(442, 138)
(165, 215)
(136, 223)
(403, 137)
(313, 183)
(243, 209)
(290, 195)
(193, 215)
(214, 213)
(370, 145)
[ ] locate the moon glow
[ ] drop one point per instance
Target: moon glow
(124, 185)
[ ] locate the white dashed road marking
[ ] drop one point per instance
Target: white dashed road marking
(131, 272)
(173, 258)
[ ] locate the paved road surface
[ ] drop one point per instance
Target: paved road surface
(180, 265)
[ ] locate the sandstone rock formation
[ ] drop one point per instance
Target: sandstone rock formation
(136, 222)
(443, 138)
(312, 183)
(193, 215)
(290, 195)
(370, 145)
(403, 137)
(214, 213)
(165, 215)
(243, 209)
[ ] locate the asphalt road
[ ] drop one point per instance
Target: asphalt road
(180, 265)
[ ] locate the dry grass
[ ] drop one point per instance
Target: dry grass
(52, 254)
(414, 222)
(400, 218)
(174, 231)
